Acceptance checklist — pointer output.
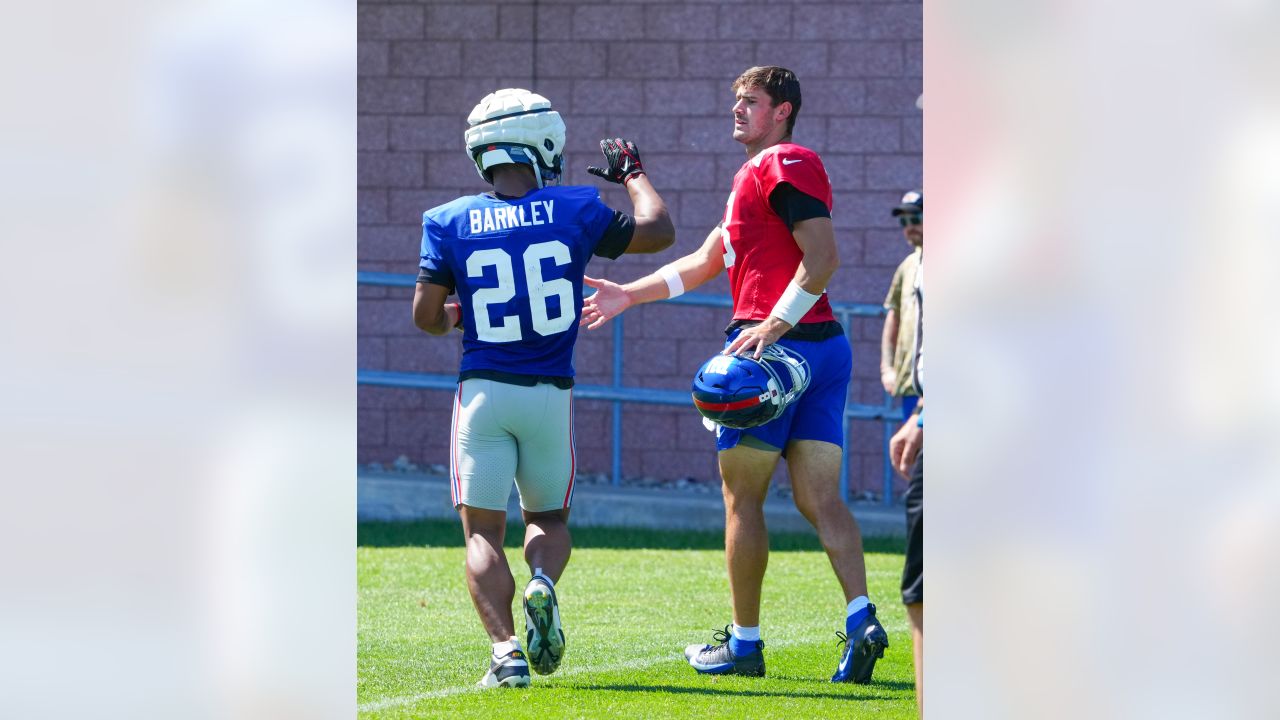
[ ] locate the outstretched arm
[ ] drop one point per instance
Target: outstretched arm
(672, 279)
(654, 231)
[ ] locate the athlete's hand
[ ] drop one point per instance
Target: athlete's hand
(758, 337)
(453, 314)
(889, 379)
(905, 445)
(608, 302)
(623, 161)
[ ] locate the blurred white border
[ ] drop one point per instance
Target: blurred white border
(1104, 185)
(178, 363)
(178, 359)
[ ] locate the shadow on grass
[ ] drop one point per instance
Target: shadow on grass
(881, 684)
(837, 693)
(448, 533)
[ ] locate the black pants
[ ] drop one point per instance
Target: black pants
(913, 571)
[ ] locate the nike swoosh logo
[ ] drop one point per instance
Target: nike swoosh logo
(791, 162)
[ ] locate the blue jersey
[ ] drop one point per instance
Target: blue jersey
(517, 266)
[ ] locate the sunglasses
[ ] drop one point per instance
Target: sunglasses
(905, 220)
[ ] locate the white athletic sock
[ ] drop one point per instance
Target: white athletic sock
(856, 604)
(502, 648)
(746, 634)
(537, 573)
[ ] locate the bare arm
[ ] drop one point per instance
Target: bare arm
(888, 342)
(694, 269)
(654, 231)
(817, 240)
(430, 312)
(905, 445)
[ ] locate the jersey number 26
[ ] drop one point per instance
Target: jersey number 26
(508, 327)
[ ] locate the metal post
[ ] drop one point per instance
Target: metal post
(844, 422)
(886, 487)
(844, 463)
(617, 404)
(887, 490)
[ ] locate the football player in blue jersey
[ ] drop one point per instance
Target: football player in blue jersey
(516, 257)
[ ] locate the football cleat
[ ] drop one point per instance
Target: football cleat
(510, 670)
(862, 648)
(544, 636)
(513, 125)
(720, 660)
(740, 392)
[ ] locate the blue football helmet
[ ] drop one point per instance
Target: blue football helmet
(740, 392)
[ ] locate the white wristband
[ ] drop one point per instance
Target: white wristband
(675, 286)
(793, 304)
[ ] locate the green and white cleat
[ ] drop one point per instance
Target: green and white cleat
(544, 636)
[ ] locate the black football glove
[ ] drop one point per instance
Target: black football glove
(623, 159)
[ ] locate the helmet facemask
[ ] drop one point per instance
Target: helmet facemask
(796, 367)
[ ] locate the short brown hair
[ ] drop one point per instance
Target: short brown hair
(780, 83)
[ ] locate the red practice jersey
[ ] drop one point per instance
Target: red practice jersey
(760, 253)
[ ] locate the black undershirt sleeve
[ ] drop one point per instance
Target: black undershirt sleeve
(436, 277)
(617, 237)
(793, 205)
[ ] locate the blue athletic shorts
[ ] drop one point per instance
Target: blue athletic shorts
(908, 404)
(819, 413)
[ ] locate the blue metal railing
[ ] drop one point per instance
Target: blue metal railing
(617, 393)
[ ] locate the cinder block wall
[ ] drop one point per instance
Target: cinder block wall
(657, 73)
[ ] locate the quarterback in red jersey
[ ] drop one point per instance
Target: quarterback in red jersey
(757, 239)
(777, 243)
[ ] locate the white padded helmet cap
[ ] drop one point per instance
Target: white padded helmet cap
(514, 116)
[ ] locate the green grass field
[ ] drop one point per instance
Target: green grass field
(630, 601)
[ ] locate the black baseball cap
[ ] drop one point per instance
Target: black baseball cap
(912, 202)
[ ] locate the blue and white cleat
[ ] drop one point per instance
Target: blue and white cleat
(720, 660)
(544, 636)
(862, 648)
